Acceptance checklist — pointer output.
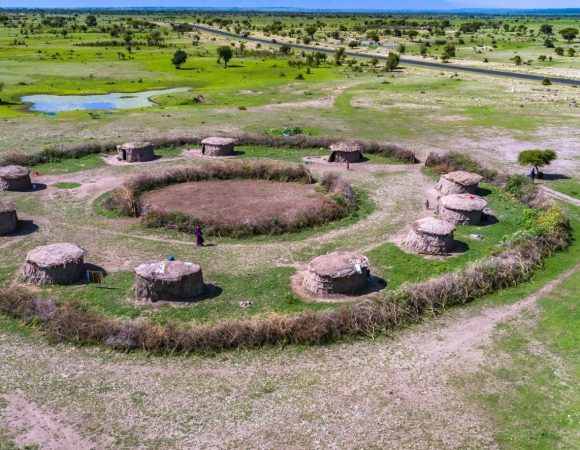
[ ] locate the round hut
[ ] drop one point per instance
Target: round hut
(346, 151)
(459, 182)
(337, 273)
(168, 280)
(54, 264)
(464, 209)
(15, 178)
(8, 217)
(136, 152)
(217, 146)
(431, 236)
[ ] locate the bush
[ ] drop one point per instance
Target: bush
(521, 188)
(451, 161)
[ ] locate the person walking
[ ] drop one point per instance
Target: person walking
(198, 236)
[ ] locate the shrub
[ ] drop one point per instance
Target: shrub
(451, 161)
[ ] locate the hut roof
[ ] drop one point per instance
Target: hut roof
(13, 172)
(218, 141)
(430, 225)
(347, 147)
(338, 264)
(166, 270)
(135, 145)
(55, 255)
(463, 202)
(7, 206)
(464, 178)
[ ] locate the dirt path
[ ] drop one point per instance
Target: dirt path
(560, 196)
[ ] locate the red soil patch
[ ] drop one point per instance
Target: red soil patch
(237, 201)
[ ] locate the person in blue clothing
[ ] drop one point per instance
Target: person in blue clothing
(533, 174)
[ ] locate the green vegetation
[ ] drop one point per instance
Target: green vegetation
(537, 158)
(65, 185)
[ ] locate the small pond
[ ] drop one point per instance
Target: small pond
(115, 100)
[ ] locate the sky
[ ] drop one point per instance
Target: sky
(321, 4)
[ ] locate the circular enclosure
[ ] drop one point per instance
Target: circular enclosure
(168, 280)
(346, 151)
(431, 236)
(8, 217)
(344, 273)
(462, 209)
(236, 202)
(217, 146)
(15, 178)
(54, 264)
(136, 152)
(459, 182)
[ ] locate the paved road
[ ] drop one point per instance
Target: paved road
(432, 65)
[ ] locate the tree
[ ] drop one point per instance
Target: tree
(353, 44)
(392, 61)
(571, 52)
(412, 34)
(401, 48)
(546, 28)
(569, 33)
(225, 52)
(155, 38)
(179, 58)
(518, 60)
(374, 61)
(559, 51)
(339, 55)
(310, 30)
(423, 50)
(536, 158)
(91, 20)
(448, 52)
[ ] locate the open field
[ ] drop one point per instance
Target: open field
(499, 372)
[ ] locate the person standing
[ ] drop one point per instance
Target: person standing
(198, 236)
(533, 174)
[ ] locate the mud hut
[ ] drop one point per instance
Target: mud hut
(15, 178)
(431, 236)
(464, 209)
(8, 217)
(168, 280)
(346, 151)
(218, 146)
(136, 152)
(459, 182)
(337, 273)
(54, 264)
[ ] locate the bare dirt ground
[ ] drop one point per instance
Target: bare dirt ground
(397, 392)
(235, 201)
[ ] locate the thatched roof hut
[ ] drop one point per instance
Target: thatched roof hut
(465, 209)
(61, 263)
(346, 151)
(168, 280)
(136, 152)
(431, 236)
(459, 182)
(337, 273)
(15, 178)
(218, 146)
(8, 217)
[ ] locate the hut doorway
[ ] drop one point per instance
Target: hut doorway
(123, 155)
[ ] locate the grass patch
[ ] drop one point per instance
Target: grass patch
(569, 187)
(67, 185)
(72, 165)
